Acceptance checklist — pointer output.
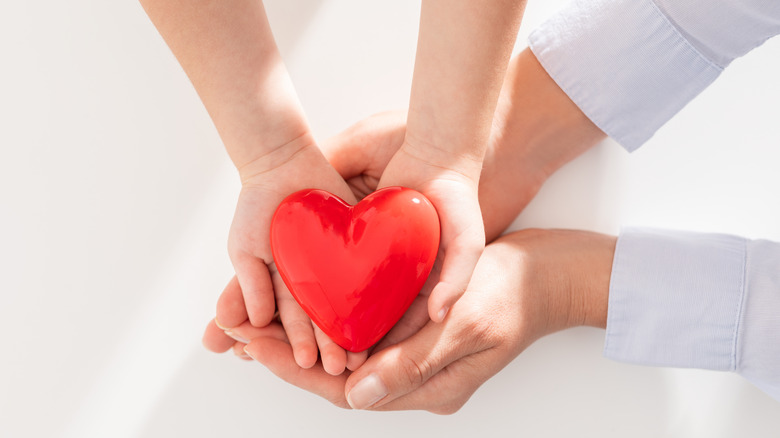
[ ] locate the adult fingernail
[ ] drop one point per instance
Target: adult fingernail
(236, 337)
(247, 352)
(216, 321)
(367, 392)
(443, 313)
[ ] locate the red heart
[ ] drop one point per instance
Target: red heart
(355, 269)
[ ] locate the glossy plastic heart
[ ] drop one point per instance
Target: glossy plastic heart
(355, 269)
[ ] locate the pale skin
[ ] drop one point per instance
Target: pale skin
(527, 284)
(462, 54)
(536, 130)
(228, 52)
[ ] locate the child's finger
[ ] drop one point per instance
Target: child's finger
(238, 350)
(354, 360)
(215, 339)
(257, 289)
(231, 310)
(246, 332)
(334, 358)
(298, 327)
(460, 259)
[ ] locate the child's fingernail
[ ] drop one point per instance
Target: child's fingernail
(236, 337)
(247, 352)
(367, 392)
(216, 321)
(443, 313)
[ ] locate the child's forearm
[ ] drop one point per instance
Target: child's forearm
(462, 55)
(229, 54)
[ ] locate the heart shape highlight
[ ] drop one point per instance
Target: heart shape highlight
(355, 269)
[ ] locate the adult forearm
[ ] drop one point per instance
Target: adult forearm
(229, 54)
(536, 130)
(462, 55)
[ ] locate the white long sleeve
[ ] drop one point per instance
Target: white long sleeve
(630, 65)
(676, 299)
(695, 300)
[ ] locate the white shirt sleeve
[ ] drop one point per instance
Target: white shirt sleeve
(631, 65)
(696, 300)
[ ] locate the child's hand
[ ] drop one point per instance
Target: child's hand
(373, 154)
(451, 184)
(258, 289)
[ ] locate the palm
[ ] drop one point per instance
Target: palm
(260, 291)
(250, 252)
(455, 197)
(366, 153)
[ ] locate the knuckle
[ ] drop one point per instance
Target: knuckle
(297, 327)
(480, 330)
(416, 370)
(476, 246)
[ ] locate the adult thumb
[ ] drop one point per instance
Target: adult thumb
(401, 368)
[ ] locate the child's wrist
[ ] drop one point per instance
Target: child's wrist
(266, 120)
(268, 160)
(441, 157)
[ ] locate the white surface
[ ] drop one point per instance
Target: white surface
(115, 201)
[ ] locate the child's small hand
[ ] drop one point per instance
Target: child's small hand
(451, 184)
(373, 154)
(220, 339)
(257, 291)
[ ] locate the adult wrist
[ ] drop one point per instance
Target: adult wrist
(536, 130)
(568, 275)
(596, 279)
(582, 269)
(536, 122)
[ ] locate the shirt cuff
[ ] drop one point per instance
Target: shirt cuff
(623, 63)
(675, 299)
(758, 348)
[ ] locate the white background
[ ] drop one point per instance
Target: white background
(116, 197)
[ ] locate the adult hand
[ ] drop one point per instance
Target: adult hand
(527, 284)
